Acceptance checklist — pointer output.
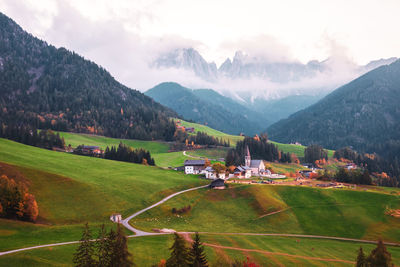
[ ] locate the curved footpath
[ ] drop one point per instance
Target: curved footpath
(139, 233)
(142, 233)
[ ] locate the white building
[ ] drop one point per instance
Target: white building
(116, 217)
(255, 165)
(212, 174)
(194, 166)
(242, 172)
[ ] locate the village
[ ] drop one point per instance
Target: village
(254, 171)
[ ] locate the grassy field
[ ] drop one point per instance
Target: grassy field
(209, 153)
(298, 150)
(72, 189)
(150, 250)
(330, 212)
(233, 139)
(102, 141)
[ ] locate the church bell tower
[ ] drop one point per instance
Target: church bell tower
(247, 158)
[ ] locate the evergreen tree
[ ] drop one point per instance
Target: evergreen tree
(380, 256)
(102, 253)
(120, 254)
(179, 253)
(83, 256)
(361, 259)
(197, 257)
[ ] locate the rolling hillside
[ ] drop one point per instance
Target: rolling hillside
(45, 87)
(72, 189)
(301, 210)
(209, 108)
(363, 114)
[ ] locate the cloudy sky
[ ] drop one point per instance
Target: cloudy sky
(125, 35)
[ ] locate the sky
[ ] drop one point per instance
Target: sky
(125, 35)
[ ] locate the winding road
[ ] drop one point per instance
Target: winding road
(139, 233)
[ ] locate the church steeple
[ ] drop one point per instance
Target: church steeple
(247, 158)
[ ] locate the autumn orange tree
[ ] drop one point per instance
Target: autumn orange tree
(16, 201)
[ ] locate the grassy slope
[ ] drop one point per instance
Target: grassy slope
(291, 148)
(150, 250)
(233, 139)
(73, 189)
(330, 212)
(102, 141)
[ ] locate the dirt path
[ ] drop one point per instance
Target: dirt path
(188, 238)
(272, 213)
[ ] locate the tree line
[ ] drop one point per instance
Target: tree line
(128, 154)
(15, 200)
(374, 164)
(110, 249)
(28, 135)
(259, 147)
(314, 152)
(379, 257)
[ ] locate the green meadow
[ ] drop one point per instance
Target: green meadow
(95, 140)
(304, 210)
(151, 249)
(72, 189)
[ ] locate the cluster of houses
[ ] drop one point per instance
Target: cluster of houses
(251, 168)
(183, 128)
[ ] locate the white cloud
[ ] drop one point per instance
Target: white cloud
(126, 36)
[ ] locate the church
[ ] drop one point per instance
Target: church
(256, 165)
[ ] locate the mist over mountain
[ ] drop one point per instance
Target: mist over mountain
(246, 78)
(364, 114)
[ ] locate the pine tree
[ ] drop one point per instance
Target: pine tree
(120, 254)
(179, 253)
(197, 257)
(380, 256)
(83, 256)
(103, 252)
(361, 259)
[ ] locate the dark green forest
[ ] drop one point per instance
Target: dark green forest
(49, 88)
(363, 114)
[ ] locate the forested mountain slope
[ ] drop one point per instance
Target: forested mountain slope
(207, 107)
(45, 87)
(364, 114)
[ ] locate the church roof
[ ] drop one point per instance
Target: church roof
(255, 163)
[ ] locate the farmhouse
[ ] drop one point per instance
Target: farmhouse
(116, 217)
(218, 184)
(242, 172)
(212, 174)
(255, 165)
(91, 150)
(194, 166)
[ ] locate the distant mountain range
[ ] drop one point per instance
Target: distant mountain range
(257, 81)
(45, 87)
(364, 114)
(208, 107)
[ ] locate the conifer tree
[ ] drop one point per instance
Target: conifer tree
(120, 254)
(83, 256)
(197, 257)
(380, 256)
(103, 253)
(179, 253)
(361, 259)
